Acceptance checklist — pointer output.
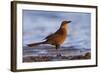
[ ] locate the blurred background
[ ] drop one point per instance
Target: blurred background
(39, 24)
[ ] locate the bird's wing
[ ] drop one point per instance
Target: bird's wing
(49, 36)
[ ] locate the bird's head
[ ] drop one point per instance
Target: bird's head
(64, 24)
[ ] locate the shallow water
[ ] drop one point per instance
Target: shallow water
(49, 52)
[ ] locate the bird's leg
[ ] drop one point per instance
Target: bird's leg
(57, 50)
(57, 47)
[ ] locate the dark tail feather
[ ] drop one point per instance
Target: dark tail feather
(35, 44)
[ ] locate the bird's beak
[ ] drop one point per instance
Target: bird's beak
(69, 21)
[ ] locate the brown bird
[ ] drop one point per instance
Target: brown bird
(56, 38)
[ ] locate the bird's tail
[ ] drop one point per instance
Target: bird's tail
(35, 44)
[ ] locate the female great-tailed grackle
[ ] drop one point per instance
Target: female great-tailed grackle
(56, 38)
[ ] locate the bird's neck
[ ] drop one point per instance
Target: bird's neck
(63, 31)
(64, 28)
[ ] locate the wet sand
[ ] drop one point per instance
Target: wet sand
(48, 53)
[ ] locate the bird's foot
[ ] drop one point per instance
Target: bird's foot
(58, 55)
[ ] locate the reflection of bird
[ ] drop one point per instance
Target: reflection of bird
(56, 38)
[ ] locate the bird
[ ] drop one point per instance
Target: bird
(57, 38)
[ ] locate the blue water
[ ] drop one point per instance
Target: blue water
(38, 24)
